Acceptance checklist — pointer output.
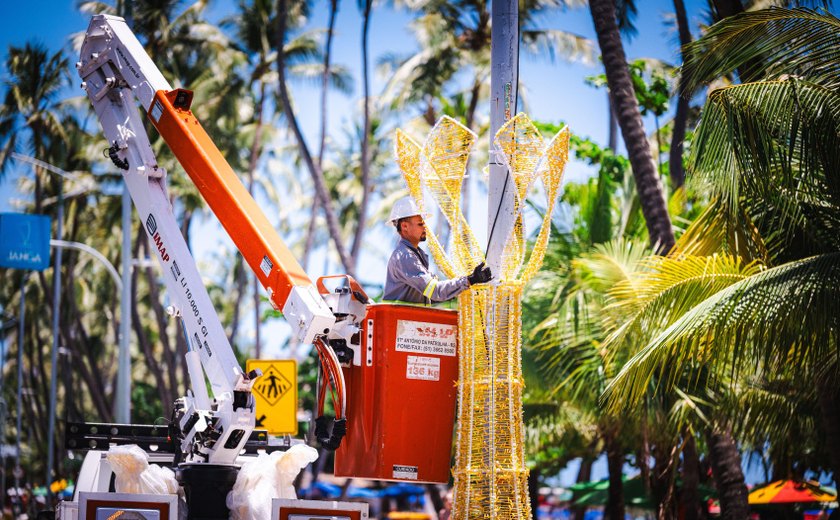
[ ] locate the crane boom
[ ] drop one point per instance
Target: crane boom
(115, 71)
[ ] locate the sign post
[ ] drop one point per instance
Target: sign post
(25, 245)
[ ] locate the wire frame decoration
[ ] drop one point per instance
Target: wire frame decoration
(491, 477)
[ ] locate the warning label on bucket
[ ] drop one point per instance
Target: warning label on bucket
(425, 368)
(405, 472)
(426, 338)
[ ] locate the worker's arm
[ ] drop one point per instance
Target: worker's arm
(405, 266)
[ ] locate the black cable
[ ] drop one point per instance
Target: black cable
(498, 210)
(113, 152)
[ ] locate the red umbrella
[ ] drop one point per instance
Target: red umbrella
(789, 492)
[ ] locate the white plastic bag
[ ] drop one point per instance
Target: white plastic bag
(134, 474)
(267, 477)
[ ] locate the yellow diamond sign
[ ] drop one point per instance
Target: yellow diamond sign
(275, 393)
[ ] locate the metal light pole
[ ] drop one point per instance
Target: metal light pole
(122, 403)
(54, 356)
(18, 472)
(3, 407)
(122, 408)
(504, 82)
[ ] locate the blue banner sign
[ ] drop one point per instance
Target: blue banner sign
(24, 241)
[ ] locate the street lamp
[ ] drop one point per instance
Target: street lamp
(123, 400)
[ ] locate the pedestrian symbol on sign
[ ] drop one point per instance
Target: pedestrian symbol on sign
(275, 395)
(272, 385)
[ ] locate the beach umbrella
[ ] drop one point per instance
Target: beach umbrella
(595, 493)
(790, 492)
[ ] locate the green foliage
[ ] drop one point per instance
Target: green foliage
(769, 148)
(653, 92)
(146, 408)
(768, 44)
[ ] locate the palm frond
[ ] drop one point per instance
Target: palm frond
(781, 317)
(664, 289)
(767, 44)
(339, 78)
(712, 232)
(559, 45)
(610, 264)
(774, 143)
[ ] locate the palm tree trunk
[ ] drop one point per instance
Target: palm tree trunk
(726, 470)
(675, 164)
(309, 242)
(37, 375)
(533, 490)
(434, 496)
(651, 196)
(360, 225)
(314, 170)
(690, 496)
(612, 135)
(256, 149)
(615, 465)
(662, 485)
(643, 458)
(170, 381)
(726, 8)
(143, 341)
(94, 384)
(240, 281)
(584, 475)
(830, 411)
(325, 81)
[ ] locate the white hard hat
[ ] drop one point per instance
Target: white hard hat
(403, 208)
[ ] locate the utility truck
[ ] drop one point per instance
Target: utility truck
(398, 420)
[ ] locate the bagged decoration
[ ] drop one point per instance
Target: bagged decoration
(266, 477)
(134, 474)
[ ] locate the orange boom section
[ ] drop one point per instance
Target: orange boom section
(275, 266)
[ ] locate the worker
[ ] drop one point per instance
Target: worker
(408, 278)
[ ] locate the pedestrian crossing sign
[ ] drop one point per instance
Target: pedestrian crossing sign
(275, 393)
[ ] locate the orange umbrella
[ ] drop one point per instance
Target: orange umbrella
(789, 492)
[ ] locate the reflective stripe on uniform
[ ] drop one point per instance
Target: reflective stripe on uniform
(430, 288)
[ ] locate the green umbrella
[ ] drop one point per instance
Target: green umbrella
(596, 493)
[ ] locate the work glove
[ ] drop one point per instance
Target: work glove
(481, 274)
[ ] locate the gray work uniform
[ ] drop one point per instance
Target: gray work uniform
(409, 279)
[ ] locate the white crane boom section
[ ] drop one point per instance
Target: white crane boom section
(116, 70)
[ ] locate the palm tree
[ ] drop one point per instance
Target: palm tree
(762, 152)
(314, 170)
(29, 116)
(365, 6)
(629, 118)
(675, 162)
(571, 351)
(254, 36)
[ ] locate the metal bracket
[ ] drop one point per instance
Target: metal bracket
(101, 436)
(369, 344)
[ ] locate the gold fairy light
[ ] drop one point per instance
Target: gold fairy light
(491, 477)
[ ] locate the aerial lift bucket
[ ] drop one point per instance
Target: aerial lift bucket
(401, 400)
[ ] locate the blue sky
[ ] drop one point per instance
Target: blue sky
(554, 91)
